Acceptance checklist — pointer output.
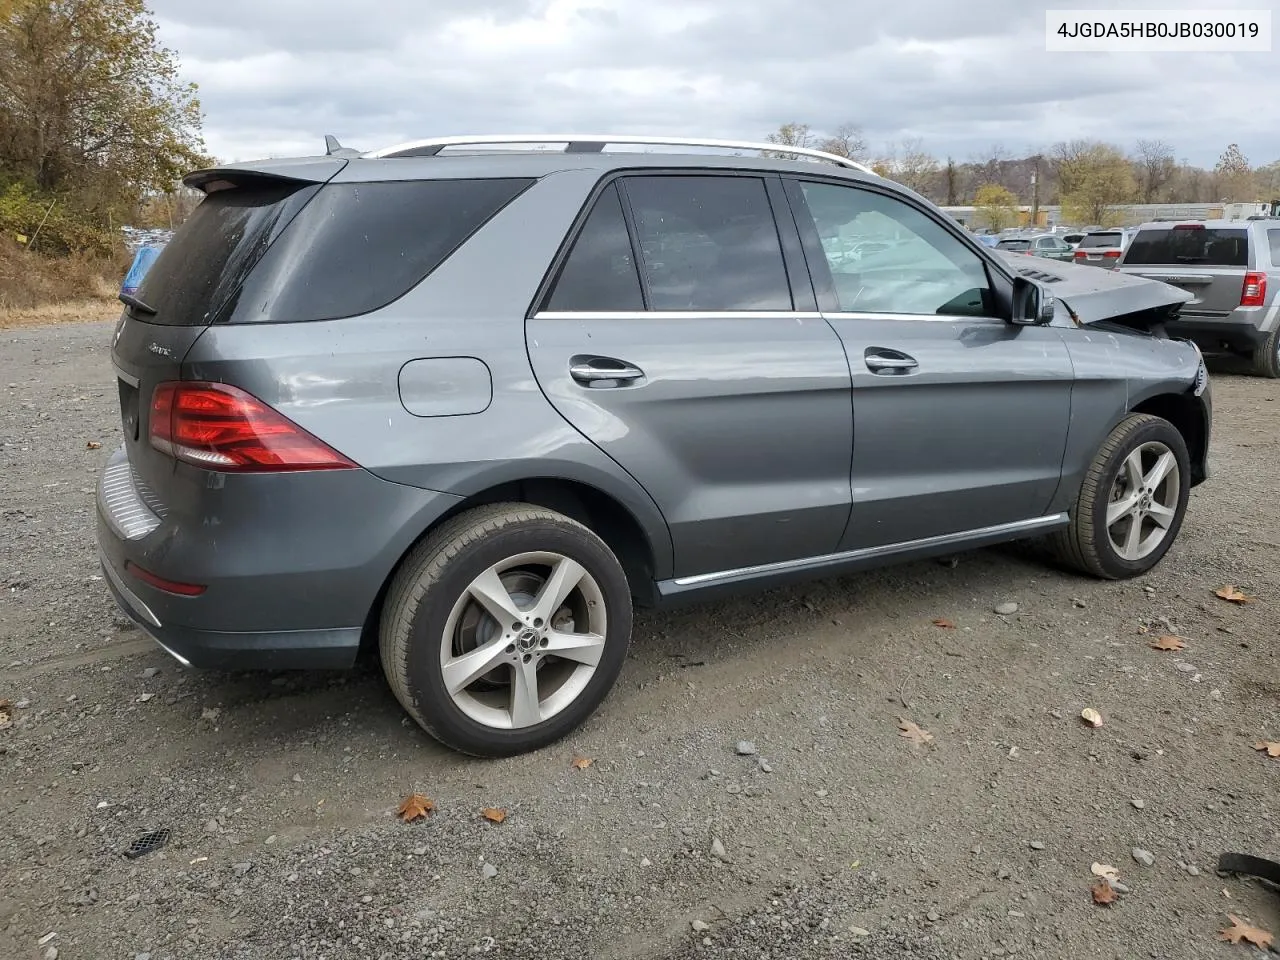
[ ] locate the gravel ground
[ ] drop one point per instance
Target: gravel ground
(838, 839)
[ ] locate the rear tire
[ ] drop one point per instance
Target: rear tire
(1132, 502)
(1266, 356)
(476, 614)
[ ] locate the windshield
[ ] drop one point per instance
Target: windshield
(1209, 247)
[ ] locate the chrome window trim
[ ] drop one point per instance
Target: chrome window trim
(677, 315)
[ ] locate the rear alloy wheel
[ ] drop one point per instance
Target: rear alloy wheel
(505, 629)
(1131, 503)
(1266, 356)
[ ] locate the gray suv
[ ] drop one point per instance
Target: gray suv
(469, 403)
(1231, 268)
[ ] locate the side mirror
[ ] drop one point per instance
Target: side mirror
(1033, 305)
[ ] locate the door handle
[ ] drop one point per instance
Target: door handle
(588, 370)
(877, 362)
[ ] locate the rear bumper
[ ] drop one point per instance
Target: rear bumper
(1231, 333)
(292, 565)
(276, 650)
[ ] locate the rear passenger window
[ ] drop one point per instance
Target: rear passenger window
(1274, 237)
(356, 247)
(600, 273)
(708, 243)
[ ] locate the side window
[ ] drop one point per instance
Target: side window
(1274, 237)
(920, 268)
(708, 243)
(600, 273)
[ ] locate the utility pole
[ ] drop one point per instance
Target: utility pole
(1035, 191)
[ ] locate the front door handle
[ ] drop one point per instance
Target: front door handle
(589, 370)
(889, 361)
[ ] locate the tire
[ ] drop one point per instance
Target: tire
(1087, 544)
(432, 592)
(1266, 356)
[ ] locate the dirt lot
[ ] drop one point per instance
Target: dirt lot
(281, 790)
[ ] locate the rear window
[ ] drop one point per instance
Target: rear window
(1273, 237)
(1014, 245)
(357, 247)
(1223, 247)
(1094, 241)
(211, 254)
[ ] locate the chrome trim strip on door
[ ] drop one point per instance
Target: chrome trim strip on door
(786, 566)
(930, 317)
(676, 315)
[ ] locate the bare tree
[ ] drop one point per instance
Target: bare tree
(1156, 167)
(914, 167)
(792, 134)
(846, 141)
(1234, 175)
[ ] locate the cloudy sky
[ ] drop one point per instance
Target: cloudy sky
(276, 75)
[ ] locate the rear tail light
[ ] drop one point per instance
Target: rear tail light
(1254, 293)
(1080, 255)
(222, 427)
(1113, 254)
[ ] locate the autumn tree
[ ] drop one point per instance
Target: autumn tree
(1155, 166)
(1234, 175)
(92, 109)
(997, 207)
(1094, 178)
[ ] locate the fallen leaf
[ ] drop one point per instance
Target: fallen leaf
(6, 713)
(1103, 893)
(1233, 595)
(1241, 932)
(913, 732)
(93, 445)
(1091, 716)
(1105, 871)
(494, 814)
(1270, 747)
(1169, 642)
(944, 623)
(581, 763)
(415, 807)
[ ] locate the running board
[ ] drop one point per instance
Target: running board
(807, 568)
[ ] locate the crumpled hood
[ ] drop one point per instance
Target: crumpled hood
(1092, 294)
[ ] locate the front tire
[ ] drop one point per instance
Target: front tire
(1132, 502)
(505, 629)
(1266, 356)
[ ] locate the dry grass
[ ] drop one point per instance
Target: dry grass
(35, 289)
(70, 311)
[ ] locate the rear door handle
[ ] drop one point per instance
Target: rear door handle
(888, 361)
(589, 370)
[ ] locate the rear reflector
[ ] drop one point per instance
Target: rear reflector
(223, 428)
(1254, 293)
(160, 583)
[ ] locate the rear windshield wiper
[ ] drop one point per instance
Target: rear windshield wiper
(133, 303)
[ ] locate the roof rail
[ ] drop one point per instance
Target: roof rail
(595, 143)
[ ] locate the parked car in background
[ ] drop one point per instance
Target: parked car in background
(1232, 270)
(1073, 238)
(1037, 245)
(1102, 248)
(471, 408)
